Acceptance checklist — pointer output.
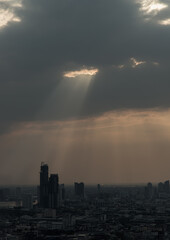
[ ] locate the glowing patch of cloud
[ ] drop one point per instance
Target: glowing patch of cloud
(13, 3)
(16, 19)
(155, 63)
(165, 22)
(17, 4)
(5, 17)
(135, 63)
(7, 12)
(152, 6)
(73, 74)
(121, 66)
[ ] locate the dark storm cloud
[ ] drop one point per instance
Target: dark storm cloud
(56, 36)
(142, 87)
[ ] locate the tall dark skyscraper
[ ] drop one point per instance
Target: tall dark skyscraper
(49, 188)
(166, 186)
(44, 186)
(79, 189)
(53, 191)
(62, 192)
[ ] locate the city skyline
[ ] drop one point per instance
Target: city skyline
(84, 87)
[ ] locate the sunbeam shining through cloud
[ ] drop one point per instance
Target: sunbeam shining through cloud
(84, 86)
(112, 144)
(84, 71)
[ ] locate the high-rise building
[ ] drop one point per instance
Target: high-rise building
(166, 186)
(48, 191)
(53, 191)
(27, 201)
(149, 190)
(62, 188)
(61, 194)
(18, 193)
(4, 194)
(44, 186)
(79, 189)
(160, 187)
(98, 188)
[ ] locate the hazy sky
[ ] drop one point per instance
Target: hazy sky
(84, 87)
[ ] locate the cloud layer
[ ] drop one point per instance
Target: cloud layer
(58, 37)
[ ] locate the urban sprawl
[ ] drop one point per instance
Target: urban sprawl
(80, 212)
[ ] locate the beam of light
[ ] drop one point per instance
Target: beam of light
(165, 22)
(7, 12)
(121, 146)
(85, 71)
(152, 6)
(67, 99)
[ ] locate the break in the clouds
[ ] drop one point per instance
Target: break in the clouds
(8, 12)
(72, 74)
(152, 9)
(152, 6)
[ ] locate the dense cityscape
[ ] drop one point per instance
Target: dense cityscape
(55, 211)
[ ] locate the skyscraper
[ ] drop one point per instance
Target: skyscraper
(79, 189)
(61, 193)
(149, 190)
(98, 188)
(166, 186)
(27, 201)
(53, 191)
(44, 185)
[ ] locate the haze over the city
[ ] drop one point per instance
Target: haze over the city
(84, 87)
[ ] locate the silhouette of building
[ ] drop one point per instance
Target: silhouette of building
(4, 194)
(149, 190)
(79, 189)
(98, 188)
(48, 189)
(44, 186)
(160, 187)
(61, 193)
(18, 193)
(53, 191)
(27, 201)
(166, 186)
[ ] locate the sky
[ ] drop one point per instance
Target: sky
(84, 87)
